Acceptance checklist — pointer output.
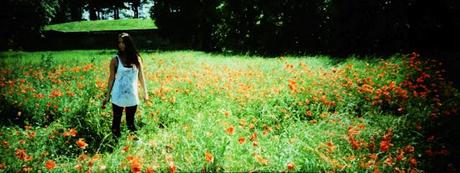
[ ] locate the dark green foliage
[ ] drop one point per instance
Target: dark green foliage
(188, 20)
(313, 26)
(23, 20)
(270, 27)
(70, 10)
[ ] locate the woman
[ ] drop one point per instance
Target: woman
(126, 69)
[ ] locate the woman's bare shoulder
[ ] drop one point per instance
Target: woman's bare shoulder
(139, 59)
(113, 61)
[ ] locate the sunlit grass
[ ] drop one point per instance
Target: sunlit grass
(220, 112)
(103, 25)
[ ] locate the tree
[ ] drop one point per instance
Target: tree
(369, 26)
(434, 24)
(117, 5)
(23, 21)
(312, 26)
(236, 27)
(135, 6)
(270, 26)
(76, 9)
(69, 10)
(187, 20)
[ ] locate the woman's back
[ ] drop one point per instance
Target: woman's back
(124, 91)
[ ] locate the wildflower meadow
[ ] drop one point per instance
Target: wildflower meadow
(228, 113)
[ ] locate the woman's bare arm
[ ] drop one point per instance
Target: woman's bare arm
(142, 78)
(111, 78)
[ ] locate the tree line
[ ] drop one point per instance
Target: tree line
(72, 10)
(311, 26)
(270, 27)
(24, 20)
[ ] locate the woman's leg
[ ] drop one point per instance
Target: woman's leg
(130, 114)
(117, 113)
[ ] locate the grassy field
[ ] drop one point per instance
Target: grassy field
(211, 112)
(103, 25)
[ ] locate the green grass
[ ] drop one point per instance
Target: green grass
(103, 25)
(247, 113)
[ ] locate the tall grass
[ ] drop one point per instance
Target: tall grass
(222, 113)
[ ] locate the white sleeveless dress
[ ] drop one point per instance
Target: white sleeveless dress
(124, 91)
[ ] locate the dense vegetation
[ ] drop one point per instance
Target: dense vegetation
(313, 26)
(230, 113)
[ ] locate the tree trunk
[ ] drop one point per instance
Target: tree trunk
(136, 13)
(76, 13)
(76, 10)
(116, 13)
(92, 11)
(135, 7)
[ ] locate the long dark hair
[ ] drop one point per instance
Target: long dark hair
(130, 52)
